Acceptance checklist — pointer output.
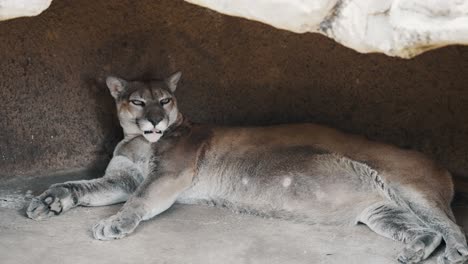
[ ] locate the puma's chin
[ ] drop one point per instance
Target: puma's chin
(152, 135)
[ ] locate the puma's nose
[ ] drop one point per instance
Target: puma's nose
(154, 120)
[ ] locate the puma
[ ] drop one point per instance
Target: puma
(301, 172)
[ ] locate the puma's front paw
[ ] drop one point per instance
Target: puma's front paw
(56, 200)
(115, 227)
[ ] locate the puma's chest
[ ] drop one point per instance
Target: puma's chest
(138, 150)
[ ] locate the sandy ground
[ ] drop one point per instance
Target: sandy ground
(183, 234)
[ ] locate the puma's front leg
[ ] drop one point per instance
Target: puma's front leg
(153, 197)
(122, 178)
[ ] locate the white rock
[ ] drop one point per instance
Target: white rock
(403, 28)
(19, 8)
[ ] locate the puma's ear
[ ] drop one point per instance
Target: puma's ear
(173, 80)
(116, 86)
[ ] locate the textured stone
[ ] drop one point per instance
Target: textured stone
(403, 28)
(57, 113)
(20, 8)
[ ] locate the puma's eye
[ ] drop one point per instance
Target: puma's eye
(137, 102)
(165, 101)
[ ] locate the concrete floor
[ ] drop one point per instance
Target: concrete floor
(183, 234)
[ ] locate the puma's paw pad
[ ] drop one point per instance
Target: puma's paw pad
(457, 254)
(48, 204)
(114, 227)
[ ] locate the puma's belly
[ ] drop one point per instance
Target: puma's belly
(294, 179)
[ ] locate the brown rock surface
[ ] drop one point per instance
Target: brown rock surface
(56, 112)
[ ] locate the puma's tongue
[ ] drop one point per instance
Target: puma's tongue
(152, 135)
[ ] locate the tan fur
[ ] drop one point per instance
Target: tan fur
(301, 172)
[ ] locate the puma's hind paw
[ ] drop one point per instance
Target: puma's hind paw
(457, 254)
(115, 227)
(410, 255)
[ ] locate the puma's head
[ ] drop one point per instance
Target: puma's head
(145, 108)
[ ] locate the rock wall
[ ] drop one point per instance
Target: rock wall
(402, 28)
(57, 114)
(10, 9)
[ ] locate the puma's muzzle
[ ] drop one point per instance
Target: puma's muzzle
(152, 132)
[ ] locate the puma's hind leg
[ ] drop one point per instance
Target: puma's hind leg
(433, 209)
(389, 220)
(120, 180)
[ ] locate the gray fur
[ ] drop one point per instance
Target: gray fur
(302, 172)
